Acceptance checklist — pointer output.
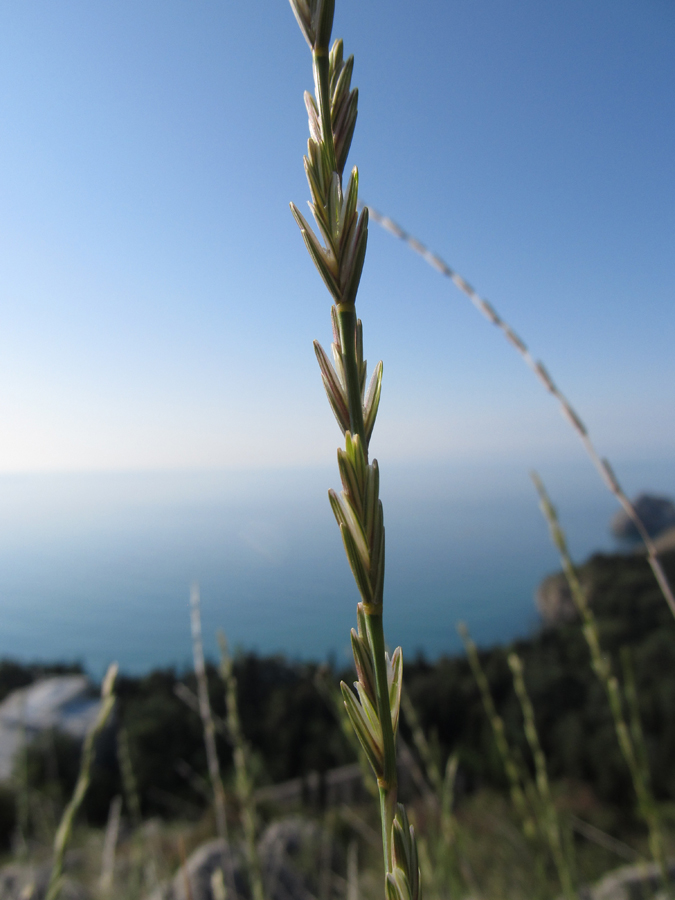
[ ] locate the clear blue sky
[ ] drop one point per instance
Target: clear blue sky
(157, 305)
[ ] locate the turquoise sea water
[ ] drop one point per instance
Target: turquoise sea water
(98, 567)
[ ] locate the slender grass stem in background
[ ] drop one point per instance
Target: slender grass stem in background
(358, 510)
(129, 786)
(65, 828)
(191, 700)
(421, 743)
(635, 722)
(603, 669)
(550, 823)
(442, 871)
(210, 737)
(447, 792)
(514, 775)
(448, 861)
(242, 769)
(147, 869)
(602, 465)
(532, 801)
(602, 839)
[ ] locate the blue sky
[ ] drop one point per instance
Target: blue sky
(157, 304)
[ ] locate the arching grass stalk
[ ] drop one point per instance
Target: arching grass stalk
(550, 823)
(635, 759)
(537, 367)
(65, 828)
(339, 258)
(242, 771)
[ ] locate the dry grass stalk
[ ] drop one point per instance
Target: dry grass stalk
(542, 374)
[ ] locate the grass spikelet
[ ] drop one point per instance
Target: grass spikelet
(332, 116)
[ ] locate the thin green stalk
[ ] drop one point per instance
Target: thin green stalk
(431, 769)
(243, 781)
(656, 843)
(635, 721)
(209, 730)
(550, 823)
(447, 795)
(128, 779)
(447, 855)
(347, 325)
(603, 669)
(65, 828)
(387, 781)
(338, 256)
(514, 776)
(147, 865)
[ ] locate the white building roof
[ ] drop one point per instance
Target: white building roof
(63, 702)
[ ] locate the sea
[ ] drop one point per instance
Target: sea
(98, 567)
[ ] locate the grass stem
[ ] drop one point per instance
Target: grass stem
(210, 738)
(358, 510)
(550, 823)
(603, 669)
(65, 829)
(537, 367)
(242, 769)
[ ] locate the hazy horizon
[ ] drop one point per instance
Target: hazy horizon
(98, 567)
